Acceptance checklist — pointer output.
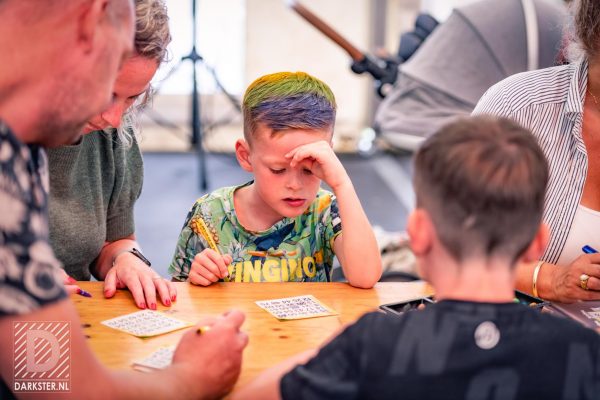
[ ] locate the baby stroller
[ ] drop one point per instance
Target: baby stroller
(479, 45)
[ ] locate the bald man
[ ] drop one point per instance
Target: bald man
(60, 61)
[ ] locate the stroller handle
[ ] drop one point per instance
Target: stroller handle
(327, 30)
(385, 72)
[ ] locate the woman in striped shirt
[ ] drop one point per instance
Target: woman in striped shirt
(561, 106)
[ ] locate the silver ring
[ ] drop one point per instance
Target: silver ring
(583, 281)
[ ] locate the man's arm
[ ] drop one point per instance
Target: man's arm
(204, 366)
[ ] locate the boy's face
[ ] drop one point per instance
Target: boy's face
(285, 190)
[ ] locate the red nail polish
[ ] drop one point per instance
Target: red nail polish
(153, 306)
(168, 303)
(71, 280)
(173, 298)
(142, 305)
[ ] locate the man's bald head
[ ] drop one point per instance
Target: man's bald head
(117, 11)
(66, 57)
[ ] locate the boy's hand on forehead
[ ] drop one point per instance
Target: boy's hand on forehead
(320, 159)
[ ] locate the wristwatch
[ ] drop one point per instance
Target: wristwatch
(139, 255)
(136, 253)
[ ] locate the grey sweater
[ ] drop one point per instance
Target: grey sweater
(93, 188)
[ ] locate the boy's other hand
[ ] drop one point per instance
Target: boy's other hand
(208, 267)
(320, 159)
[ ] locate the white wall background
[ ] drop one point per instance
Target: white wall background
(244, 39)
(220, 41)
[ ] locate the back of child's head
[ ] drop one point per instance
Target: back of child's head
(288, 100)
(482, 180)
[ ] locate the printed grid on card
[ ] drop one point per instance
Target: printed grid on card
(593, 314)
(296, 307)
(146, 323)
(160, 359)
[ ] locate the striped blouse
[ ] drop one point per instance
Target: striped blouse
(550, 103)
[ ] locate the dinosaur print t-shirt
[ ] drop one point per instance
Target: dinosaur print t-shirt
(296, 249)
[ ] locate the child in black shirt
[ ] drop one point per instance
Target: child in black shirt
(480, 185)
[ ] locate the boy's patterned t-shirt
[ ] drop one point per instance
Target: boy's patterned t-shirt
(294, 249)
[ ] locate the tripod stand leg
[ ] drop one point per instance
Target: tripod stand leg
(197, 132)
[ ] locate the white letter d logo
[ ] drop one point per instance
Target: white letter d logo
(32, 366)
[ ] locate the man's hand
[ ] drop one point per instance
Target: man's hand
(210, 362)
(320, 159)
(208, 267)
(129, 272)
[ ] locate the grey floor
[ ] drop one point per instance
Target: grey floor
(171, 186)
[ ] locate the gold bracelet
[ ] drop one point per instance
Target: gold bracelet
(536, 272)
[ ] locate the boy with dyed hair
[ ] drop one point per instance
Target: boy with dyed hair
(281, 226)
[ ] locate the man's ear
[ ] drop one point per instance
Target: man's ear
(92, 13)
(538, 244)
(242, 153)
(420, 231)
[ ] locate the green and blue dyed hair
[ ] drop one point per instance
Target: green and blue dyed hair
(288, 100)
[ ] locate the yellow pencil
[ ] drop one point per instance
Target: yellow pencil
(199, 227)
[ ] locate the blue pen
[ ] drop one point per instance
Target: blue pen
(588, 249)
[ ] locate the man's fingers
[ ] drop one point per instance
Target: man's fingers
(207, 321)
(242, 339)
(232, 319)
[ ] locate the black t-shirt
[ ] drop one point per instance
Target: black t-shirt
(454, 350)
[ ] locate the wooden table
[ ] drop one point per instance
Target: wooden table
(271, 340)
